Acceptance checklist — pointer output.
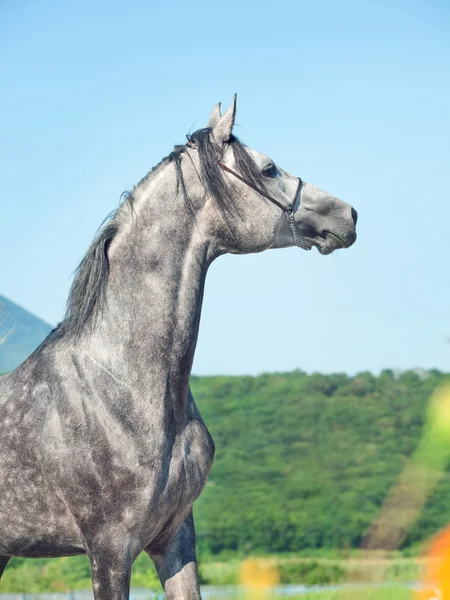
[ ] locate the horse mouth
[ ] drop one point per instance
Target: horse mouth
(329, 241)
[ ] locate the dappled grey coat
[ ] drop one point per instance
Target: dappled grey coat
(103, 450)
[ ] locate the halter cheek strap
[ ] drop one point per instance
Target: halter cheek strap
(288, 210)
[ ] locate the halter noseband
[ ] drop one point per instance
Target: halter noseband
(288, 210)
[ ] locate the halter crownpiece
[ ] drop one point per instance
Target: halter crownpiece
(288, 210)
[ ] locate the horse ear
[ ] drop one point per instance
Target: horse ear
(223, 128)
(214, 117)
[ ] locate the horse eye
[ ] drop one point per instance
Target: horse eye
(271, 171)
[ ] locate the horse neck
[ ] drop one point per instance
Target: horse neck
(158, 266)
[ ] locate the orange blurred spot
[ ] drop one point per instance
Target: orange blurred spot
(258, 576)
(436, 582)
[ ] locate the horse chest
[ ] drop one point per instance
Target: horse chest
(191, 462)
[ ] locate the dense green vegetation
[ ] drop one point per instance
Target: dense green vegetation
(303, 464)
(305, 461)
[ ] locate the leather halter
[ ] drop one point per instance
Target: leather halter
(288, 210)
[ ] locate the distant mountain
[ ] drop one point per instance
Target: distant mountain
(20, 333)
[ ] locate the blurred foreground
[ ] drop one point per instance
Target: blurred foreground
(67, 574)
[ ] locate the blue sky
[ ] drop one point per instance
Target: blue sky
(352, 96)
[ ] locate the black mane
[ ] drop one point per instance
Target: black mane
(87, 296)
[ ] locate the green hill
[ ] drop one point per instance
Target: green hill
(305, 461)
(20, 333)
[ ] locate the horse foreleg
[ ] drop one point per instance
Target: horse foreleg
(111, 572)
(3, 562)
(177, 566)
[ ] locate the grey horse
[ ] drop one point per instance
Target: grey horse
(103, 450)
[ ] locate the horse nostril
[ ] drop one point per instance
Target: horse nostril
(354, 216)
